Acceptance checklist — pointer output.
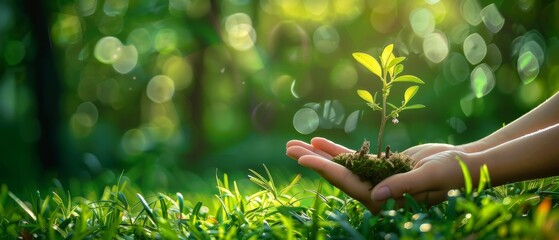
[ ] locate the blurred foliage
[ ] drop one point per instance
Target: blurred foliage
(155, 87)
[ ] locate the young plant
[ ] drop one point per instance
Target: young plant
(388, 71)
(367, 167)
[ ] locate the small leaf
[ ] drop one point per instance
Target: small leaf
(408, 78)
(366, 95)
(369, 62)
(410, 92)
(398, 69)
(395, 61)
(386, 54)
(415, 106)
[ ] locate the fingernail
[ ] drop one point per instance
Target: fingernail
(381, 194)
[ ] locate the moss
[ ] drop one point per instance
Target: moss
(370, 168)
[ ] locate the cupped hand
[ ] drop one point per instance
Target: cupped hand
(420, 152)
(428, 182)
(317, 156)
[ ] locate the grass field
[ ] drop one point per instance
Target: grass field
(269, 208)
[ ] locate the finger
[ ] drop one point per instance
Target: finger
(297, 143)
(339, 176)
(412, 182)
(411, 151)
(296, 152)
(329, 147)
(291, 143)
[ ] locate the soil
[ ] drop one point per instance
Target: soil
(372, 169)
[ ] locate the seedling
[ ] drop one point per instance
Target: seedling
(388, 71)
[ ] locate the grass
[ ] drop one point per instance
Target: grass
(267, 209)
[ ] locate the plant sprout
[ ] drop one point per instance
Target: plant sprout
(388, 70)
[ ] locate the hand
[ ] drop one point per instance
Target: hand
(428, 183)
(317, 156)
(419, 152)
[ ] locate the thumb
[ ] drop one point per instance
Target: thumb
(396, 185)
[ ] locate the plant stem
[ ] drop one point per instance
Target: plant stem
(382, 120)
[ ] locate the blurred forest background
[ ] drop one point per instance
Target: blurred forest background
(168, 91)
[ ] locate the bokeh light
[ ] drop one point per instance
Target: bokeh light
(108, 50)
(166, 40)
(471, 12)
(435, 46)
(351, 121)
(422, 21)
(134, 142)
(305, 120)
(240, 33)
(456, 68)
(127, 59)
(528, 67)
(160, 89)
(326, 39)
(343, 75)
(87, 114)
(179, 70)
(86, 7)
(492, 18)
(482, 80)
(383, 16)
(475, 48)
(115, 7)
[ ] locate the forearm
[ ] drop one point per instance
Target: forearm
(531, 156)
(543, 116)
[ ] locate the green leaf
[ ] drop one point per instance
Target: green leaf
(366, 95)
(467, 176)
(415, 106)
(410, 92)
(23, 206)
(369, 62)
(392, 105)
(483, 178)
(148, 210)
(408, 78)
(395, 61)
(385, 57)
(399, 68)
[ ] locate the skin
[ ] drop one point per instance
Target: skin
(524, 149)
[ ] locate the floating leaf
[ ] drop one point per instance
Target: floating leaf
(369, 62)
(385, 57)
(410, 92)
(366, 95)
(408, 78)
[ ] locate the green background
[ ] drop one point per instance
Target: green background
(169, 92)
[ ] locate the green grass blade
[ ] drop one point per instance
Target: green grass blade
(148, 210)
(467, 176)
(23, 206)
